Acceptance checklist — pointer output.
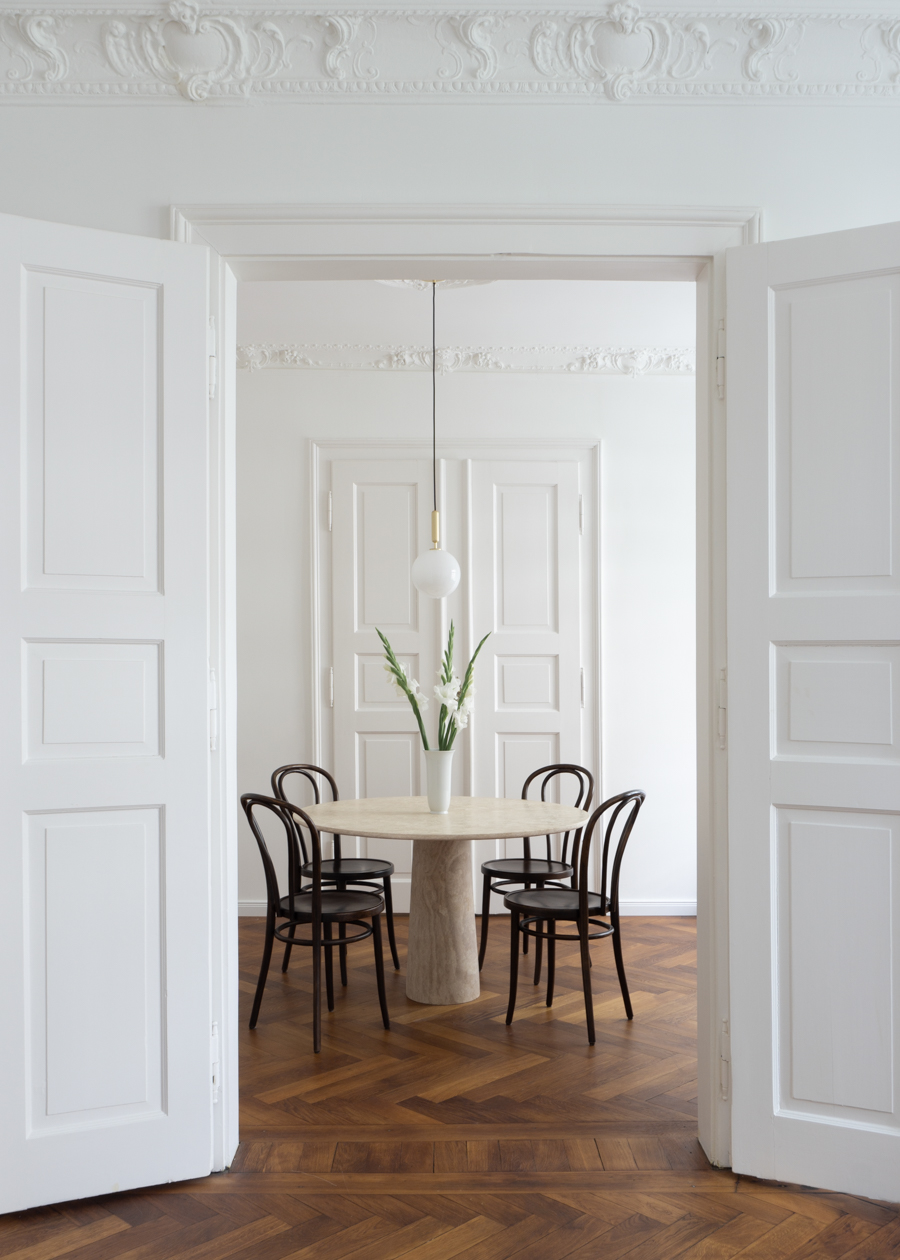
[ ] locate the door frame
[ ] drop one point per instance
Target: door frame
(498, 242)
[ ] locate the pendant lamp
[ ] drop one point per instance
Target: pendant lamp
(435, 573)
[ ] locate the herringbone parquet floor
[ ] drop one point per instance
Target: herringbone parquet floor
(454, 1136)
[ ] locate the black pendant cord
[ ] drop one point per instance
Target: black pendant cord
(433, 395)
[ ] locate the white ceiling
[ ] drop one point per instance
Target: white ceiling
(503, 313)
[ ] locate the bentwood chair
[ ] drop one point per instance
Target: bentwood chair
(342, 872)
(500, 875)
(536, 912)
(314, 905)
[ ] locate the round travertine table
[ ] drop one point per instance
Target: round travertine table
(442, 961)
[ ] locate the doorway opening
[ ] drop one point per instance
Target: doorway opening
(574, 392)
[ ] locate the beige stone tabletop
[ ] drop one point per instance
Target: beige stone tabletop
(469, 818)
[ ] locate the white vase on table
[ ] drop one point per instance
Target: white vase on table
(438, 764)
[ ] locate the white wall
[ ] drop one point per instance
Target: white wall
(645, 426)
(811, 167)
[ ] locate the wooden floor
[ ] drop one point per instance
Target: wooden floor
(455, 1136)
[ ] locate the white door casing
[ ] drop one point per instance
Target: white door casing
(814, 726)
(104, 864)
(313, 241)
(514, 519)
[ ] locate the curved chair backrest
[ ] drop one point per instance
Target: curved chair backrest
(585, 792)
(621, 811)
(295, 822)
(308, 772)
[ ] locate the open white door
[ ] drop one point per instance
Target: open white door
(814, 727)
(104, 737)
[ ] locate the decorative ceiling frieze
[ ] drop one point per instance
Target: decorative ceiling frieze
(577, 360)
(187, 52)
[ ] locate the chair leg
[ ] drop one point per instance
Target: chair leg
(586, 979)
(620, 967)
(264, 967)
(379, 969)
(551, 959)
(317, 991)
(329, 966)
(389, 915)
(538, 953)
(342, 952)
(525, 934)
(287, 949)
(485, 919)
(513, 963)
(342, 932)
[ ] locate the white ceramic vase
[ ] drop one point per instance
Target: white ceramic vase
(437, 776)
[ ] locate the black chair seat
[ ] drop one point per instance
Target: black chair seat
(351, 868)
(335, 906)
(527, 869)
(551, 903)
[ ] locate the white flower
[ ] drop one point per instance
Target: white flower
(461, 717)
(418, 695)
(447, 693)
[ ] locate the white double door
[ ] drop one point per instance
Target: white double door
(526, 579)
(105, 992)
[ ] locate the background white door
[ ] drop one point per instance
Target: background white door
(526, 584)
(104, 737)
(381, 514)
(814, 708)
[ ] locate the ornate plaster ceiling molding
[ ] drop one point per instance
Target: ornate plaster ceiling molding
(566, 360)
(185, 51)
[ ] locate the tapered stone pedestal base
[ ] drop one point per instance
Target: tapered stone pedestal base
(442, 963)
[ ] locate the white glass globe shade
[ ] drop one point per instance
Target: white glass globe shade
(436, 573)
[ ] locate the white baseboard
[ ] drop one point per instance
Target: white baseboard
(685, 908)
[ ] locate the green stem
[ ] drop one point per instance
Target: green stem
(403, 682)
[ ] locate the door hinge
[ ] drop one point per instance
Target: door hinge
(720, 359)
(330, 511)
(331, 686)
(582, 686)
(722, 709)
(724, 1061)
(581, 514)
(215, 1070)
(211, 351)
(212, 692)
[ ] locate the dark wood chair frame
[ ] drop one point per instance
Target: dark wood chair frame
(530, 877)
(309, 906)
(331, 866)
(540, 921)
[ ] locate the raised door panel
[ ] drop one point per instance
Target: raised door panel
(836, 353)
(526, 558)
(840, 990)
(92, 700)
(93, 367)
(94, 1060)
(386, 518)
